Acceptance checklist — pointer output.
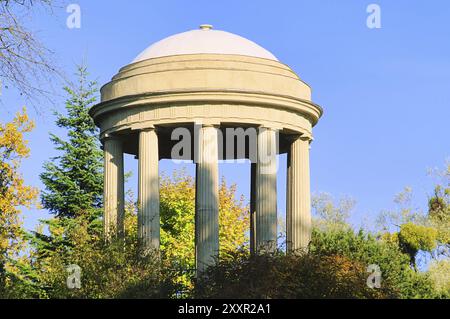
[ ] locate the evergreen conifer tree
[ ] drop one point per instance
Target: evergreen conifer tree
(74, 180)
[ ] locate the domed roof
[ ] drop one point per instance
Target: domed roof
(204, 40)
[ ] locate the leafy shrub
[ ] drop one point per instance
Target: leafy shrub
(367, 249)
(115, 270)
(440, 275)
(335, 267)
(301, 275)
(287, 276)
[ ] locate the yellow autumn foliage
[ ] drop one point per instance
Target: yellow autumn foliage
(13, 191)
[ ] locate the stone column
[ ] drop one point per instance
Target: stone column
(207, 199)
(298, 206)
(252, 207)
(266, 191)
(113, 195)
(148, 208)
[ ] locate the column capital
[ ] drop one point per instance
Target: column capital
(143, 127)
(303, 137)
(149, 129)
(207, 123)
(109, 137)
(270, 126)
(306, 137)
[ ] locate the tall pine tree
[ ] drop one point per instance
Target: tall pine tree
(74, 179)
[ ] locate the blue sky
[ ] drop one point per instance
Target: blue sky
(385, 92)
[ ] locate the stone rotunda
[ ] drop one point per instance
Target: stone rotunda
(206, 82)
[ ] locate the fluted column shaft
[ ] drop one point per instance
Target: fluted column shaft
(148, 204)
(113, 188)
(298, 221)
(252, 207)
(207, 199)
(266, 192)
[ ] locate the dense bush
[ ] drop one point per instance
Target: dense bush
(440, 275)
(336, 266)
(287, 276)
(367, 249)
(115, 270)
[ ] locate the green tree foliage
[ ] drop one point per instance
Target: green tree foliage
(439, 204)
(439, 211)
(413, 238)
(177, 197)
(118, 270)
(277, 275)
(73, 184)
(368, 250)
(73, 180)
(336, 266)
(177, 200)
(113, 270)
(439, 272)
(416, 231)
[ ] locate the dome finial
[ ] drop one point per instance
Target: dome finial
(205, 27)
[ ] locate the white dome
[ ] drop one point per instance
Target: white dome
(204, 40)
